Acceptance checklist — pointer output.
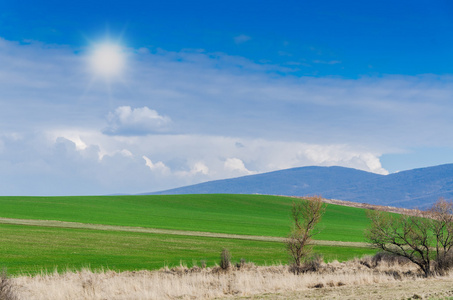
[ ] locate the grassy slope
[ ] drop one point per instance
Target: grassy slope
(32, 249)
(237, 214)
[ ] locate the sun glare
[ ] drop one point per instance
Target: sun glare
(107, 60)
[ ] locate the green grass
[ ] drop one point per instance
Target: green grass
(236, 214)
(29, 249)
(32, 249)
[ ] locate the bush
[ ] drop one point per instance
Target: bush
(389, 258)
(383, 257)
(203, 264)
(240, 264)
(313, 264)
(444, 263)
(225, 259)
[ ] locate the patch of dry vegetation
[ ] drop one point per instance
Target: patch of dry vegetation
(240, 280)
(391, 209)
(6, 287)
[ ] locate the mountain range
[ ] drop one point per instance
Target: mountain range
(413, 188)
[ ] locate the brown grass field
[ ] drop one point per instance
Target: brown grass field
(348, 280)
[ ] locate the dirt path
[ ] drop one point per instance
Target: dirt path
(62, 224)
(436, 288)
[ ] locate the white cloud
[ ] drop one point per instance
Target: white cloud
(198, 169)
(241, 39)
(204, 157)
(138, 121)
(331, 155)
(158, 166)
(201, 168)
(80, 145)
(126, 153)
(235, 164)
(122, 164)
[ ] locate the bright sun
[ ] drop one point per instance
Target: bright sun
(107, 60)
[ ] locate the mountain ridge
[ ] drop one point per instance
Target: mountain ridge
(411, 188)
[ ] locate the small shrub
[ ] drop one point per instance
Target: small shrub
(243, 262)
(389, 258)
(383, 257)
(312, 264)
(367, 261)
(295, 269)
(203, 264)
(444, 263)
(240, 264)
(317, 286)
(394, 273)
(225, 259)
(195, 269)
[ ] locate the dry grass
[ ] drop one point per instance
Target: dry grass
(242, 280)
(392, 209)
(6, 287)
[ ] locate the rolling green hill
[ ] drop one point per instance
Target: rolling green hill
(34, 248)
(235, 214)
(31, 249)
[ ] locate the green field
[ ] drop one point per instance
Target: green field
(34, 248)
(236, 214)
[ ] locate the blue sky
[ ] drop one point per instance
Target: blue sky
(196, 91)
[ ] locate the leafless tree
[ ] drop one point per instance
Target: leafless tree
(442, 227)
(305, 214)
(423, 238)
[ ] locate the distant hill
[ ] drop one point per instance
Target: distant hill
(413, 188)
(297, 181)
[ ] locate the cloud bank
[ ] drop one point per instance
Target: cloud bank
(178, 118)
(136, 121)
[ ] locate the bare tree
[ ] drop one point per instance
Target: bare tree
(305, 214)
(423, 238)
(442, 227)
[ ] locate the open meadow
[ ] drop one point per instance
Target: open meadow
(80, 246)
(254, 226)
(220, 213)
(33, 248)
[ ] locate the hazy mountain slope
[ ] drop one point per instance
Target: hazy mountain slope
(413, 188)
(296, 181)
